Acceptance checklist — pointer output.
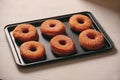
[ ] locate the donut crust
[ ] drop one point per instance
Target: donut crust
(91, 39)
(32, 51)
(25, 32)
(52, 27)
(79, 22)
(62, 45)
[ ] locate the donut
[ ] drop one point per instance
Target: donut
(32, 51)
(62, 45)
(25, 32)
(79, 22)
(52, 27)
(91, 39)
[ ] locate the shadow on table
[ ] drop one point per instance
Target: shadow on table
(68, 62)
(110, 4)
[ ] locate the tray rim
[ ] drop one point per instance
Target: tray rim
(17, 61)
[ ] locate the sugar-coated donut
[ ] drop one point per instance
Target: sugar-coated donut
(79, 22)
(25, 32)
(91, 39)
(52, 27)
(32, 51)
(62, 45)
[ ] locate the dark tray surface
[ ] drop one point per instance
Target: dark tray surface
(45, 41)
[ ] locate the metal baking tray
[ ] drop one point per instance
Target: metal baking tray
(45, 41)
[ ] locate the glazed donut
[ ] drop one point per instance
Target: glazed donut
(62, 45)
(52, 27)
(79, 22)
(91, 39)
(25, 32)
(32, 51)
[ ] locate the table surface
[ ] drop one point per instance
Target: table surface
(105, 66)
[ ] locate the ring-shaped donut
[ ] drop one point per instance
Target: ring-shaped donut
(25, 32)
(79, 22)
(32, 51)
(91, 39)
(52, 27)
(62, 45)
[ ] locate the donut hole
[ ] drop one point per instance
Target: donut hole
(91, 36)
(80, 21)
(62, 42)
(33, 49)
(25, 30)
(52, 25)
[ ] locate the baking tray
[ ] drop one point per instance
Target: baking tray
(45, 41)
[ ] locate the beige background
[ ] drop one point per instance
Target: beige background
(104, 66)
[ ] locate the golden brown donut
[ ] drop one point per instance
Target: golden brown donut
(91, 39)
(25, 32)
(52, 27)
(32, 51)
(79, 22)
(62, 45)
